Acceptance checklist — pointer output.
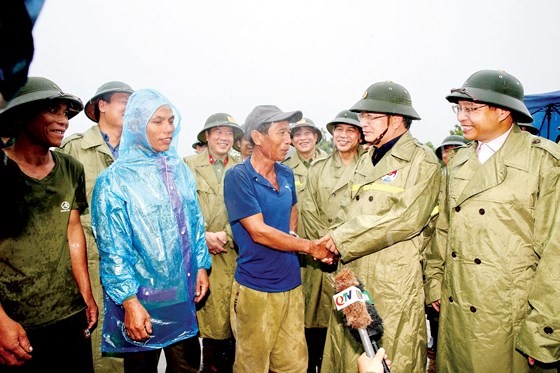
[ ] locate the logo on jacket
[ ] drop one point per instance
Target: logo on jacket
(65, 206)
(390, 177)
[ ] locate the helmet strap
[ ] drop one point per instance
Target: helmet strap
(380, 137)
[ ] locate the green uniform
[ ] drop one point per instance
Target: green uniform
(37, 287)
(213, 316)
(92, 151)
(300, 170)
(381, 243)
(324, 205)
(495, 258)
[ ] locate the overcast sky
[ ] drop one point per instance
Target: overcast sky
(317, 56)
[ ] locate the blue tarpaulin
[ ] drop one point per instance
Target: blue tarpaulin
(545, 109)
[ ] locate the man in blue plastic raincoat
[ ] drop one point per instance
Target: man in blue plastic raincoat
(150, 234)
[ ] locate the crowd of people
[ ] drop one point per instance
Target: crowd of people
(116, 248)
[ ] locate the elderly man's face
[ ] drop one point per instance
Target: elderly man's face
(276, 142)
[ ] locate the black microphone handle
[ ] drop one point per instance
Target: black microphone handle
(375, 349)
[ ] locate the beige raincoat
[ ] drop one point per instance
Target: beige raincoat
(382, 243)
(495, 258)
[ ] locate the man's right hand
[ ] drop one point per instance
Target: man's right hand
(319, 251)
(15, 348)
(436, 305)
(137, 321)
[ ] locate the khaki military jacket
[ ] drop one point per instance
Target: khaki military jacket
(324, 205)
(300, 178)
(381, 242)
(495, 258)
(213, 316)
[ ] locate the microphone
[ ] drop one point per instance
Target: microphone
(358, 311)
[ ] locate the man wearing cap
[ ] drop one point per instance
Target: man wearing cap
(97, 149)
(324, 205)
(209, 167)
(494, 263)
(394, 190)
(305, 137)
(46, 304)
(267, 302)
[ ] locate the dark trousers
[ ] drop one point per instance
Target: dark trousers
(183, 356)
(59, 347)
(218, 355)
(315, 338)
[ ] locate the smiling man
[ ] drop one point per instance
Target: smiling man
(394, 190)
(324, 205)
(267, 301)
(209, 167)
(494, 263)
(45, 294)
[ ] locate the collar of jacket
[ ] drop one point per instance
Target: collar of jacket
(92, 138)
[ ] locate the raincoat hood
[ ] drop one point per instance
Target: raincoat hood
(141, 106)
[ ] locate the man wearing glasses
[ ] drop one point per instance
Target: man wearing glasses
(394, 191)
(493, 268)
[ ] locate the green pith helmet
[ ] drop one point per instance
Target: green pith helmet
(496, 88)
(198, 143)
(451, 140)
(386, 98)
(306, 122)
(220, 120)
(109, 87)
(37, 89)
(346, 117)
(529, 127)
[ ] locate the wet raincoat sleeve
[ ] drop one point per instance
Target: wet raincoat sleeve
(435, 252)
(114, 235)
(409, 213)
(539, 336)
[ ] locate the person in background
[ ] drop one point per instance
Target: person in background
(46, 302)
(394, 190)
(449, 143)
(267, 302)
(97, 149)
(324, 205)
(150, 234)
(209, 167)
(199, 146)
(245, 146)
(493, 267)
(529, 127)
(305, 137)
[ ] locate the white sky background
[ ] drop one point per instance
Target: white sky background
(317, 56)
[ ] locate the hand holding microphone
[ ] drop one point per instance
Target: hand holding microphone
(359, 312)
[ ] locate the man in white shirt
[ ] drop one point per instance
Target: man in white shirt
(495, 250)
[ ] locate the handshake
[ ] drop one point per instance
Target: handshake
(323, 249)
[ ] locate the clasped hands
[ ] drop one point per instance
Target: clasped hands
(324, 249)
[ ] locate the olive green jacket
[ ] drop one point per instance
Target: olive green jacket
(300, 178)
(324, 204)
(213, 313)
(495, 258)
(92, 151)
(382, 242)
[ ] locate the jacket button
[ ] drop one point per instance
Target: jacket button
(457, 208)
(334, 194)
(357, 198)
(473, 309)
(477, 261)
(450, 299)
(370, 198)
(454, 254)
(548, 330)
(330, 220)
(481, 211)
